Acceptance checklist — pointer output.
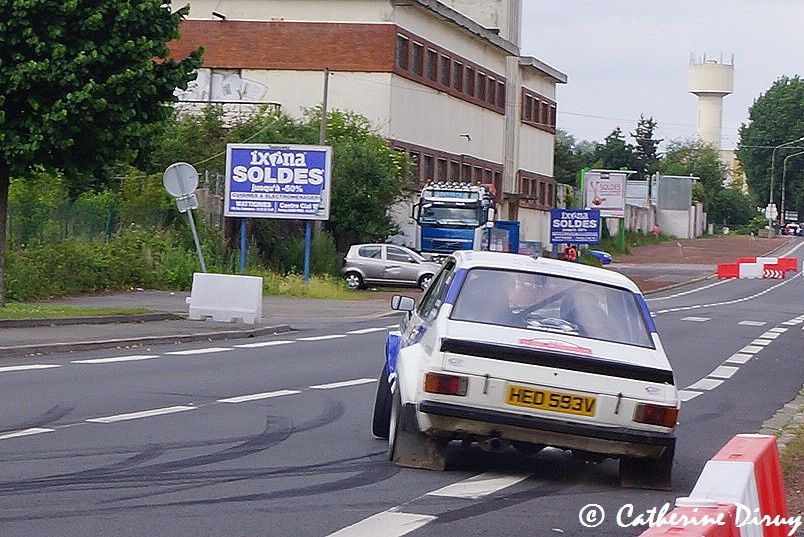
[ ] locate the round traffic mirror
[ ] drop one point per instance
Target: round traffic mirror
(180, 179)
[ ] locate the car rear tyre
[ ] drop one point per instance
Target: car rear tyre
(641, 473)
(407, 446)
(353, 281)
(424, 281)
(381, 421)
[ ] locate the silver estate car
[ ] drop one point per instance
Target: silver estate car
(386, 264)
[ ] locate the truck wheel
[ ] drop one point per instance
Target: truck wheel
(424, 281)
(381, 421)
(353, 281)
(407, 446)
(642, 473)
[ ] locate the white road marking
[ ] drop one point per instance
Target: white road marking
(321, 338)
(794, 322)
(778, 330)
(479, 486)
(720, 282)
(28, 367)
(367, 331)
(342, 384)
(393, 326)
(724, 372)
(762, 342)
(116, 359)
(688, 395)
(258, 396)
(770, 335)
(696, 319)
(751, 349)
(208, 350)
(738, 358)
(143, 414)
(25, 432)
(387, 524)
(796, 247)
(262, 344)
(705, 384)
(753, 323)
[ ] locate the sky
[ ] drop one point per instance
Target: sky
(624, 58)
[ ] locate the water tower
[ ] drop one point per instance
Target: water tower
(711, 80)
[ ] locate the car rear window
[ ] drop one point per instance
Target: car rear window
(373, 252)
(553, 304)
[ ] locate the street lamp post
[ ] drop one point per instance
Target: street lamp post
(784, 181)
(773, 167)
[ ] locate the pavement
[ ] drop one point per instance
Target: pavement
(654, 268)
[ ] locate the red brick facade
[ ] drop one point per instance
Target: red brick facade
(298, 46)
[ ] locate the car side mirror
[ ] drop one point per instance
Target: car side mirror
(402, 303)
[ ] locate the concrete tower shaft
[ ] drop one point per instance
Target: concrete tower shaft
(711, 80)
(502, 15)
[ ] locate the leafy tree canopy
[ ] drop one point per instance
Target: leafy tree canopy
(615, 153)
(646, 150)
(699, 159)
(776, 117)
(81, 84)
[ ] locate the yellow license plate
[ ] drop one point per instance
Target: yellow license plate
(553, 401)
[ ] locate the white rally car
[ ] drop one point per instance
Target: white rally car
(507, 350)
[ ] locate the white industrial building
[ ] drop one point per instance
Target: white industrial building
(441, 80)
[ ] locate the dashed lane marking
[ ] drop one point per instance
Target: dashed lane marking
(262, 344)
(321, 338)
(738, 358)
(367, 331)
(388, 523)
(11, 368)
(753, 323)
(721, 282)
(705, 384)
(751, 349)
(208, 350)
(770, 335)
(258, 396)
(117, 359)
(342, 384)
(393, 326)
(143, 414)
(778, 330)
(696, 319)
(25, 432)
(478, 486)
(687, 395)
(762, 342)
(724, 372)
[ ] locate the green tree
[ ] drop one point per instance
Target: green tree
(731, 207)
(81, 85)
(566, 163)
(615, 153)
(698, 159)
(776, 117)
(646, 149)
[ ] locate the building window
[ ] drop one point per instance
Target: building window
(429, 167)
(417, 63)
(478, 174)
(481, 86)
(498, 181)
(535, 116)
(444, 74)
(469, 87)
(457, 76)
(466, 175)
(501, 94)
(441, 174)
(542, 197)
(552, 116)
(415, 158)
(492, 93)
(454, 171)
(550, 193)
(527, 113)
(402, 52)
(432, 65)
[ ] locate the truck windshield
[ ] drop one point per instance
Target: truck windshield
(460, 216)
(547, 303)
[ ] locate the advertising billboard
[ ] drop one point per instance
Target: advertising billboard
(575, 226)
(605, 190)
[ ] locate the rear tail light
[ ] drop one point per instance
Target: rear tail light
(665, 416)
(445, 384)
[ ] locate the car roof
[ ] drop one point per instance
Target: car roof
(500, 260)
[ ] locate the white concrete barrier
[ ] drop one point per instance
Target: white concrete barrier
(226, 298)
(751, 270)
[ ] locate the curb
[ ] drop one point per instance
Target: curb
(26, 350)
(101, 319)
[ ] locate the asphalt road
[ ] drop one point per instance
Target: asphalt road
(229, 438)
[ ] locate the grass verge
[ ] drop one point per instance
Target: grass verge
(21, 310)
(793, 470)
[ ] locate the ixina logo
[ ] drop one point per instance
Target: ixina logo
(555, 345)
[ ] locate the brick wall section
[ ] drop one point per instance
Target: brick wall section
(298, 46)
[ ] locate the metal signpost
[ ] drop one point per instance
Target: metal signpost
(278, 181)
(180, 181)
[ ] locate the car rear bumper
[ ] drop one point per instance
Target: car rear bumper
(458, 420)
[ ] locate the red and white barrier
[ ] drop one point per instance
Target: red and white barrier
(758, 267)
(744, 482)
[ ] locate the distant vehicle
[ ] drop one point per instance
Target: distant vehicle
(508, 350)
(791, 229)
(386, 264)
(603, 257)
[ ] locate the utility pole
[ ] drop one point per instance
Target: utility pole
(322, 134)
